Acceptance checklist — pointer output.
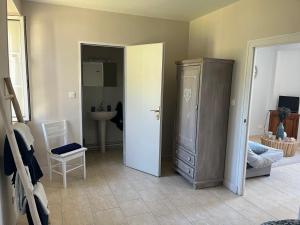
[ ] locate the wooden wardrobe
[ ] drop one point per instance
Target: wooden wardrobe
(202, 117)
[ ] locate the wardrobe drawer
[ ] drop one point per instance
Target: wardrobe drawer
(185, 156)
(184, 167)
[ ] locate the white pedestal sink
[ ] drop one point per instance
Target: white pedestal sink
(101, 118)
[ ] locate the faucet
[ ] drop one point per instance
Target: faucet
(101, 107)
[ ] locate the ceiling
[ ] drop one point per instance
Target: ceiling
(183, 10)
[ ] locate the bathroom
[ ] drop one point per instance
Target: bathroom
(102, 85)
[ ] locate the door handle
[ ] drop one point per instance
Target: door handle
(157, 111)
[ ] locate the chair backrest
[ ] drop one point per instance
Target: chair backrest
(55, 134)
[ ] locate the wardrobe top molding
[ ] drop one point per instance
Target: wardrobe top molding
(189, 62)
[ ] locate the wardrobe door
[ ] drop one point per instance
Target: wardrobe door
(188, 91)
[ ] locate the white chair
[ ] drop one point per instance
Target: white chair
(56, 136)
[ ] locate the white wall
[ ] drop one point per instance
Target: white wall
(287, 74)
(262, 88)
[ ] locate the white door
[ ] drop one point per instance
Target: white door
(143, 107)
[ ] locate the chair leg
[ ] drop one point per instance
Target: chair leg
(84, 166)
(64, 172)
(50, 168)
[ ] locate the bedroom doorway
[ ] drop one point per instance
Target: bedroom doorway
(274, 99)
(248, 91)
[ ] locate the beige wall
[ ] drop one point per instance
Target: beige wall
(224, 34)
(6, 208)
(53, 36)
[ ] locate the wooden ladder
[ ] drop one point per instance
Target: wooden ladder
(28, 187)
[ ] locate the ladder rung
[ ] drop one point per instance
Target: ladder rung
(9, 97)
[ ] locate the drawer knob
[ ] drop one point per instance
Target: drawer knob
(189, 158)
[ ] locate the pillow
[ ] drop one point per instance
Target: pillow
(257, 148)
(257, 161)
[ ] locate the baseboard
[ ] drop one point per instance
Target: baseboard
(114, 144)
(108, 146)
(206, 184)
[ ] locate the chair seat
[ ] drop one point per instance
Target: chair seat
(66, 148)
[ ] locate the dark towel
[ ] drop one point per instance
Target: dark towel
(34, 170)
(66, 148)
(118, 119)
(43, 216)
(27, 157)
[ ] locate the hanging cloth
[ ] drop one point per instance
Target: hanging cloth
(118, 119)
(25, 132)
(28, 158)
(20, 192)
(34, 172)
(41, 204)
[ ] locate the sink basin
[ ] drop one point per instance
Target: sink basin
(103, 115)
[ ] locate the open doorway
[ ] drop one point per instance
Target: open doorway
(273, 79)
(241, 169)
(274, 112)
(102, 97)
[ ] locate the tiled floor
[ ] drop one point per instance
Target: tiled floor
(289, 160)
(115, 195)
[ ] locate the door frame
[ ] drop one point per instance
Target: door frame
(244, 126)
(99, 44)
